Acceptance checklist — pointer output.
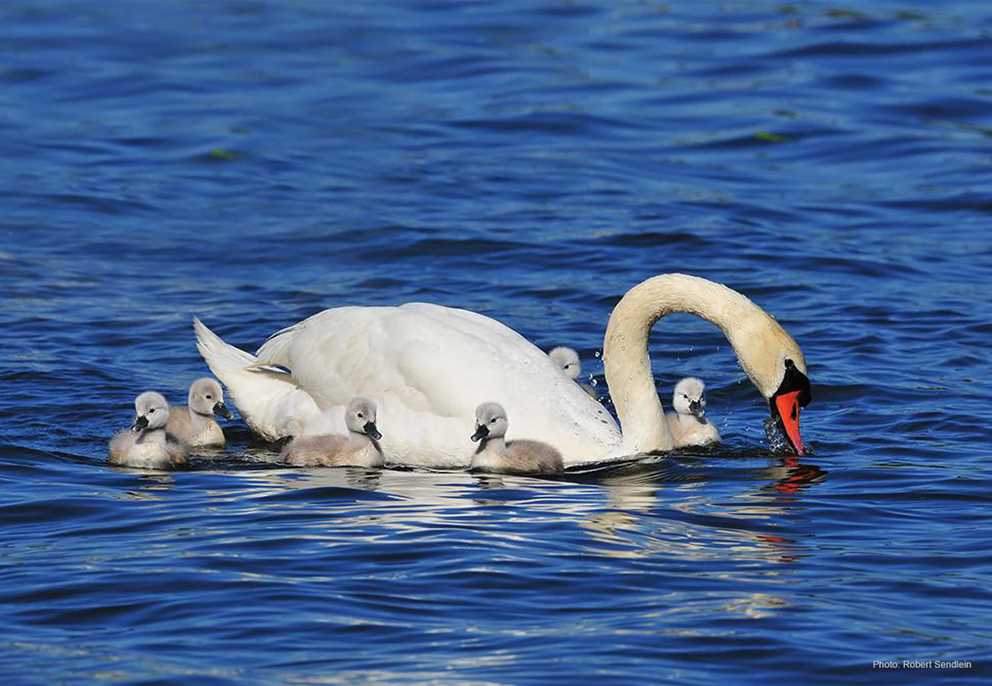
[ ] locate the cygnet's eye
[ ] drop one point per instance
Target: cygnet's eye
(685, 395)
(151, 411)
(209, 397)
(360, 416)
(493, 420)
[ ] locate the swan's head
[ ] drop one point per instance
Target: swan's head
(776, 366)
(490, 421)
(567, 360)
(360, 416)
(151, 411)
(793, 394)
(207, 397)
(689, 398)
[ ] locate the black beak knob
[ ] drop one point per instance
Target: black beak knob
(481, 432)
(221, 410)
(697, 409)
(371, 431)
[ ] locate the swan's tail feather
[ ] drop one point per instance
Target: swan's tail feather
(266, 396)
(221, 357)
(276, 370)
(274, 352)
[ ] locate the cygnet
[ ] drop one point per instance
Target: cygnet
(688, 423)
(496, 454)
(568, 361)
(357, 449)
(147, 444)
(194, 424)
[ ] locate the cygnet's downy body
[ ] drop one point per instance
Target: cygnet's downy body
(568, 361)
(688, 423)
(194, 424)
(497, 455)
(359, 448)
(147, 444)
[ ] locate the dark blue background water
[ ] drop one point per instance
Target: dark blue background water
(255, 162)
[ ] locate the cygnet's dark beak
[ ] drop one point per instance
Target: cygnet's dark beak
(481, 431)
(697, 409)
(140, 424)
(371, 431)
(221, 410)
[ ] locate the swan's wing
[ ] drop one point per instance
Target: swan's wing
(429, 367)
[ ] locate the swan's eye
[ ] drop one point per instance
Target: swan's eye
(685, 395)
(360, 416)
(209, 397)
(493, 420)
(151, 411)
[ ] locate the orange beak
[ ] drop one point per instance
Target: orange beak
(787, 407)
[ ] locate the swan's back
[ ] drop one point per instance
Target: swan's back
(404, 357)
(180, 425)
(309, 451)
(532, 456)
(331, 451)
(518, 457)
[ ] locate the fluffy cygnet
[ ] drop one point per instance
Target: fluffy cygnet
(194, 424)
(688, 423)
(358, 449)
(147, 444)
(495, 454)
(568, 361)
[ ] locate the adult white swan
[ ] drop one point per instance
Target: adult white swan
(428, 367)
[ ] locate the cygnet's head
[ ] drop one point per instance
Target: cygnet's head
(688, 397)
(207, 397)
(151, 411)
(359, 417)
(490, 421)
(567, 360)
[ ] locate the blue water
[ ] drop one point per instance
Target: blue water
(253, 163)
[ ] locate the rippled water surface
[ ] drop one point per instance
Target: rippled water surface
(253, 163)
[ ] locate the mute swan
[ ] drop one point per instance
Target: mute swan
(688, 423)
(425, 364)
(195, 425)
(147, 445)
(568, 361)
(495, 454)
(358, 449)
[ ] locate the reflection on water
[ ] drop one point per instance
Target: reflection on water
(646, 514)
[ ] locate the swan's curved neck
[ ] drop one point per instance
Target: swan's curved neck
(625, 348)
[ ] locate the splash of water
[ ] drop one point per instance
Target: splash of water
(777, 442)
